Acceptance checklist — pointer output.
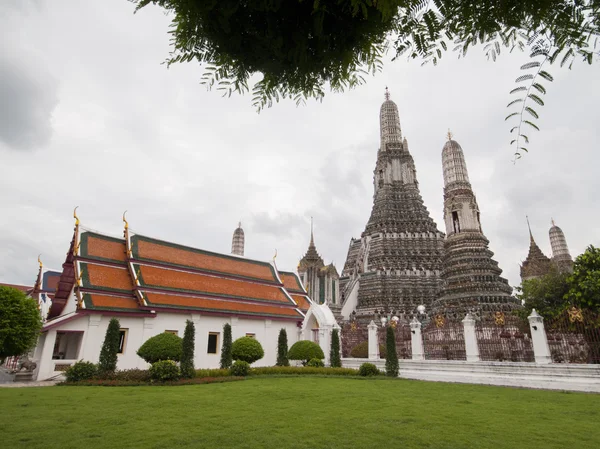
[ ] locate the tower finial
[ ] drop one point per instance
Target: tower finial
(387, 93)
(529, 227)
(552, 220)
(449, 134)
(312, 240)
(40, 261)
(125, 220)
(75, 216)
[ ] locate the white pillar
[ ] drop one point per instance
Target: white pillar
(46, 368)
(416, 340)
(325, 342)
(538, 338)
(470, 339)
(373, 341)
(92, 340)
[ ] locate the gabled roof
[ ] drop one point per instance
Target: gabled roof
(291, 282)
(137, 274)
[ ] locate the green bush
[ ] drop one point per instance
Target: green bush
(391, 361)
(222, 372)
(334, 354)
(315, 363)
(226, 359)
(163, 346)
(247, 349)
(302, 370)
(368, 369)
(282, 349)
(110, 347)
(127, 375)
(240, 368)
(187, 354)
(164, 370)
(81, 371)
(361, 351)
(305, 350)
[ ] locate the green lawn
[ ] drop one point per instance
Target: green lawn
(299, 412)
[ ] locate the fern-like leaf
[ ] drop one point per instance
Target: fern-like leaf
(531, 111)
(537, 99)
(533, 125)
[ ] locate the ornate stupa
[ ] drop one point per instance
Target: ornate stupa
(237, 242)
(320, 281)
(472, 281)
(396, 263)
(537, 264)
(560, 251)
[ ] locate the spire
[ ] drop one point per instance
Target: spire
(529, 226)
(237, 242)
(449, 134)
(312, 237)
(552, 220)
(387, 94)
(560, 250)
(536, 264)
(453, 163)
(389, 123)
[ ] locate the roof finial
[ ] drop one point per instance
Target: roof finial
(75, 216)
(312, 240)
(40, 261)
(275, 256)
(529, 226)
(125, 220)
(552, 219)
(387, 93)
(240, 224)
(449, 134)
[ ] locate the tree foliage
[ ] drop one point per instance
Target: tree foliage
(226, 358)
(164, 346)
(334, 356)
(391, 360)
(20, 322)
(282, 349)
(300, 48)
(545, 294)
(187, 355)
(247, 349)
(584, 283)
(305, 350)
(110, 347)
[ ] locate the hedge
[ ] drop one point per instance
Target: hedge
(305, 350)
(165, 346)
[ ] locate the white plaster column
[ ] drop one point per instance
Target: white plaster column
(234, 326)
(373, 341)
(470, 339)
(46, 365)
(541, 349)
(416, 340)
(92, 340)
(325, 342)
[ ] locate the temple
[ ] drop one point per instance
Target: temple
(536, 264)
(154, 286)
(472, 281)
(237, 242)
(560, 251)
(396, 263)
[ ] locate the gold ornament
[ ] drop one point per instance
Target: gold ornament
(575, 314)
(499, 318)
(439, 321)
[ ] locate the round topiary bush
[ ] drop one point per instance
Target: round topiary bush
(163, 346)
(240, 368)
(361, 351)
(247, 349)
(315, 363)
(305, 350)
(368, 369)
(164, 370)
(81, 371)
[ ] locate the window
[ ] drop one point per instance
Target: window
(456, 221)
(251, 335)
(122, 340)
(213, 342)
(172, 332)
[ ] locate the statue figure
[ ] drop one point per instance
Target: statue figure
(29, 365)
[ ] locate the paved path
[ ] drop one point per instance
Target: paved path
(28, 384)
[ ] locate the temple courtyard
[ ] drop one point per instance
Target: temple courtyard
(299, 412)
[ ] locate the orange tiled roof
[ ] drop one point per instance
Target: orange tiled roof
(302, 301)
(201, 283)
(99, 301)
(103, 277)
(291, 282)
(144, 248)
(97, 246)
(159, 299)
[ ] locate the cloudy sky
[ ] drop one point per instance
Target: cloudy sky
(90, 117)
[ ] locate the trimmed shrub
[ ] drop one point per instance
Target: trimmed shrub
(226, 358)
(163, 346)
(240, 368)
(361, 351)
(247, 349)
(187, 354)
(305, 350)
(334, 355)
(81, 371)
(302, 370)
(315, 363)
(164, 370)
(282, 349)
(213, 372)
(128, 375)
(391, 361)
(368, 369)
(110, 347)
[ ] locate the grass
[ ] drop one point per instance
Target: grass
(299, 412)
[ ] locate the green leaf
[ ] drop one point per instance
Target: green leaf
(518, 100)
(518, 89)
(546, 75)
(537, 99)
(522, 78)
(539, 87)
(532, 112)
(510, 115)
(533, 125)
(530, 65)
